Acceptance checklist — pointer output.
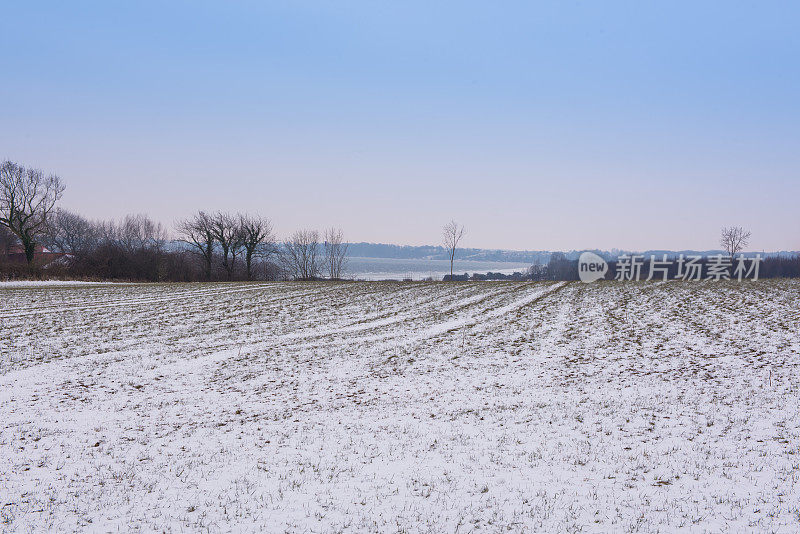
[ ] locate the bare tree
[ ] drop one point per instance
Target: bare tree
(300, 254)
(132, 249)
(138, 232)
(198, 231)
(451, 236)
(257, 239)
(228, 234)
(335, 253)
(27, 197)
(734, 239)
(70, 233)
(108, 233)
(7, 240)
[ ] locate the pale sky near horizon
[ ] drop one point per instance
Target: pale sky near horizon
(538, 125)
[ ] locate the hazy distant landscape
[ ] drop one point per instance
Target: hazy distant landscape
(375, 261)
(418, 269)
(379, 261)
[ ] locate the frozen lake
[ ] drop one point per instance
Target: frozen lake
(419, 269)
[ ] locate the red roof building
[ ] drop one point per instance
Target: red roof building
(16, 254)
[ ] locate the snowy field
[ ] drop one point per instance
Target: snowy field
(410, 407)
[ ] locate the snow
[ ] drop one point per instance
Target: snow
(401, 406)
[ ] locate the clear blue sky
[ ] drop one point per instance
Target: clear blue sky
(538, 125)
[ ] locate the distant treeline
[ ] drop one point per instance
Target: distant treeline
(776, 266)
(561, 268)
(216, 247)
(533, 257)
(519, 276)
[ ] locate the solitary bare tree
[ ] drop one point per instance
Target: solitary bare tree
(198, 231)
(451, 235)
(335, 253)
(734, 239)
(228, 234)
(300, 254)
(257, 239)
(27, 197)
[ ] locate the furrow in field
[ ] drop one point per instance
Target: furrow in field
(471, 319)
(436, 296)
(196, 325)
(43, 299)
(132, 302)
(418, 329)
(405, 311)
(420, 313)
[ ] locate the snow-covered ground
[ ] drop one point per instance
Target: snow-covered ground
(49, 283)
(413, 407)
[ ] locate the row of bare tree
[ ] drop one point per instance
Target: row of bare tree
(134, 248)
(305, 259)
(248, 237)
(233, 236)
(217, 245)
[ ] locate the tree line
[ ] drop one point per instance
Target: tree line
(561, 268)
(215, 245)
(209, 246)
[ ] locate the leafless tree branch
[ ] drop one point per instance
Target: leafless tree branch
(198, 231)
(300, 254)
(335, 253)
(257, 239)
(27, 198)
(451, 236)
(228, 234)
(733, 239)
